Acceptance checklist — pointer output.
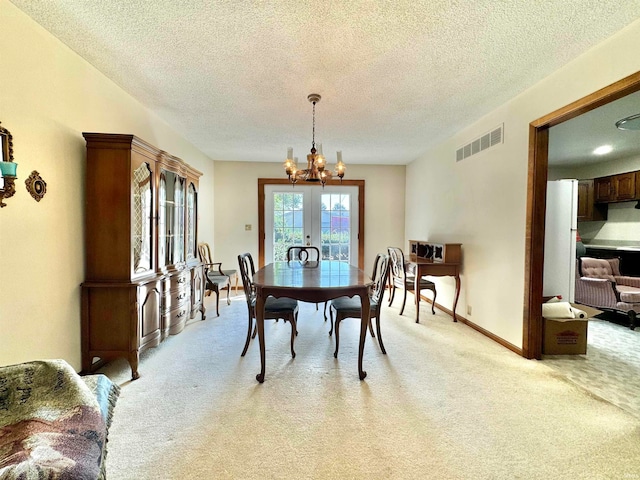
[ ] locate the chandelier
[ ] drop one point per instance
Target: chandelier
(316, 170)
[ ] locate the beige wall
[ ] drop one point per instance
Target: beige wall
(481, 201)
(48, 97)
(236, 204)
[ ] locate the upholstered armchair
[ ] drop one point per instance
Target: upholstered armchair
(600, 285)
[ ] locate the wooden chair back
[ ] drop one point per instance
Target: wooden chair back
(204, 252)
(247, 271)
(396, 258)
(380, 276)
(303, 253)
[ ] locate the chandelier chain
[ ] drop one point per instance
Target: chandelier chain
(313, 130)
(316, 170)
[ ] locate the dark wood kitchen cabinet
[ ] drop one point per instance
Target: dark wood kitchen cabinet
(588, 210)
(616, 188)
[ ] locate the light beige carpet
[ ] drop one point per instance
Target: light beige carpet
(611, 366)
(445, 403)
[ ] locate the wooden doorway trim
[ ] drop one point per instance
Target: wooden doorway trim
(262, 182)
(536, 202)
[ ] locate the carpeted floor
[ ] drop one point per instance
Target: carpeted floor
(611, 366)
(445, 403)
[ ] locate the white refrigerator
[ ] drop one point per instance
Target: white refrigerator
(561, 226)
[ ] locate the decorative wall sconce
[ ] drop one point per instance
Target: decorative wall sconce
(7, 166)
(36, 186)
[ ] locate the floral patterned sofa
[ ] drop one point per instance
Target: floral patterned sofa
(600, 285)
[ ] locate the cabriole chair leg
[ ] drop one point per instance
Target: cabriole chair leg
(246, 344)
(217, 292)
(433, 305)
(404, 301)
(331, 317)
(379, 335)
(335, 354)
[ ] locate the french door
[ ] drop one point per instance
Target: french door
(310, 215)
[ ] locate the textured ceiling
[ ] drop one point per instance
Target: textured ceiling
(573, 142)
(396, 77)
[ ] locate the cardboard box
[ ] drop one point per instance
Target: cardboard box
(567, 336)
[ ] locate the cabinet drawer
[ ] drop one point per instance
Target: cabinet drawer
(176, 319)
(179, 281)
(176, 298)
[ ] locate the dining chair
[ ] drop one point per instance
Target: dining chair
(216, 279)
(350, 307)
(204, 252)
(274, 308)
(401, 278)
(303, 254)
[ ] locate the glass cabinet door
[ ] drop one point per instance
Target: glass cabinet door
(192, 213)
(171, 222)
(162, 220)
(180, 187)
(142, 219)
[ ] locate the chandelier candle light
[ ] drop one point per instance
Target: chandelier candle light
(316, 164)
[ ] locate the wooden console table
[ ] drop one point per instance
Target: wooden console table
(435, 260)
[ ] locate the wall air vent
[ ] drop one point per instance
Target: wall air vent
(480, 144)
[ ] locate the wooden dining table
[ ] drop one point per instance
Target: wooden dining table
(312, 282)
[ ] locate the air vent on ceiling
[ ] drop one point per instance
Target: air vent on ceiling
(480, 144)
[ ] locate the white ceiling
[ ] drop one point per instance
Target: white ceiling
(573, 142)
(396, 77)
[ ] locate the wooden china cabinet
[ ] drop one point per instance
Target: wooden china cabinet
(143, 278)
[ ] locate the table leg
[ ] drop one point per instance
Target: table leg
(455, 301)
(365, 309)
(416, 291)
(260, 325)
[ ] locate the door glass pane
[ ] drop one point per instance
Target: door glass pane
(335, 226)
(288, 223)
(142, 202)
